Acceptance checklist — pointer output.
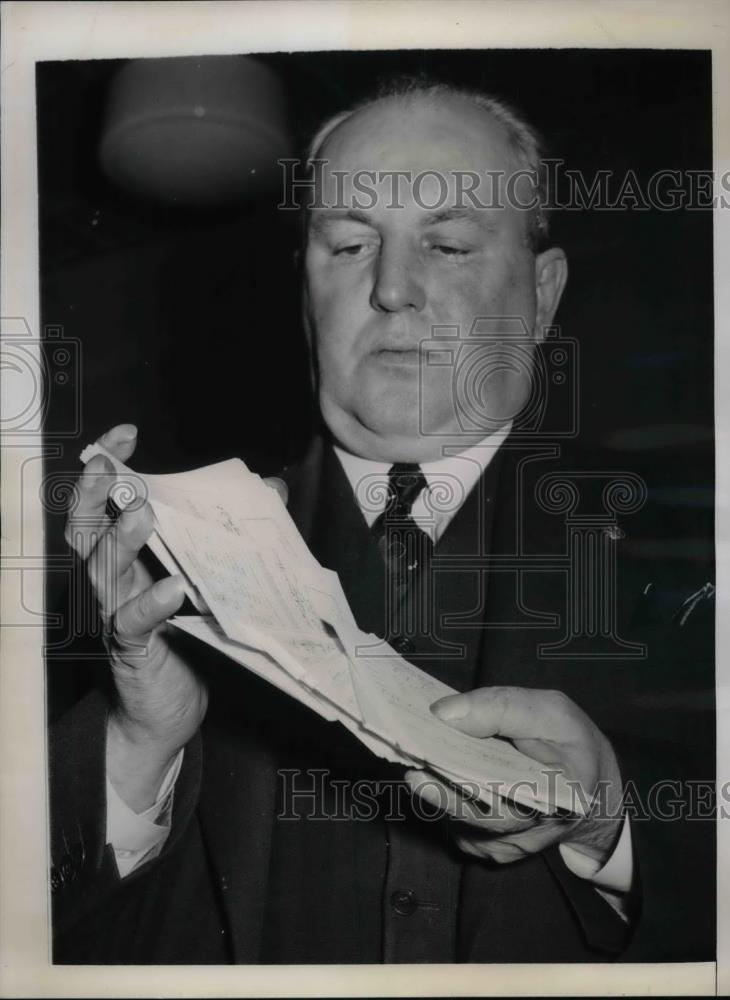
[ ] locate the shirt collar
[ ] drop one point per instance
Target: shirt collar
(466, 466)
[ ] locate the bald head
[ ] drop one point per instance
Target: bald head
(452, 112)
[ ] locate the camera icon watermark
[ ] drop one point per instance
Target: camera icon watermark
(498, 372)
(34, 371)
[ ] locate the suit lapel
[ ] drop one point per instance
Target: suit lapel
(341, 540)
(525, 599)
(455, 591)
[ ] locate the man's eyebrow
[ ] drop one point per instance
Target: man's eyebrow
(322, 217)
(455, 215)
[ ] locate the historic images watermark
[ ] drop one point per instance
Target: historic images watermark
(499, 371)
(38, 371)
(311, 185)
(314, 794)
(43, 376)
(37, 368)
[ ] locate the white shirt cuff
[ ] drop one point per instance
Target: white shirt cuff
(615, 875)
(140, 836)
(613, 879)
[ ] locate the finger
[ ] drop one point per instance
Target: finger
(501, 818)
(518, 713)
(120, 441)
(514, 846)
(87, 519)
(280, 486)
(137, 619)
(486, 847)
(112, 563)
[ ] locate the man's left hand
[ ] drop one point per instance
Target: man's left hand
(552, 729)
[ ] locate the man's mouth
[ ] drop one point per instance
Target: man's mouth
(398, 355)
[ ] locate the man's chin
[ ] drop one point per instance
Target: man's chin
(411, 448)
(384, 436)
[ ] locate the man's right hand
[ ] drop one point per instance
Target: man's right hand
(161, 700)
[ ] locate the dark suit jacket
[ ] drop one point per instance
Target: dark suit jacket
(232, 884)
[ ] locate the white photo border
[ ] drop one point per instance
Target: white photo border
(37, 31)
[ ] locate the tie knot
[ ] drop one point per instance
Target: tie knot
(405, 483)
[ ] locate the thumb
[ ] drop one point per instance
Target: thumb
(120, 441)
(478, 713)
(139, 617)
(518, 713)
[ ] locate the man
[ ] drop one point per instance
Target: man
(174, 840)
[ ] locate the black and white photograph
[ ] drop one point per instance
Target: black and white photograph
(370, 433)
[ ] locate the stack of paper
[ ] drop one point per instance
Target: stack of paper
(265, 602)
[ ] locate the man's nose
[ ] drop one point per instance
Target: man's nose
(398, 283)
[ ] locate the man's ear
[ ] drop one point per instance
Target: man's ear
(551, 274)
(309, 337)
(306, 321)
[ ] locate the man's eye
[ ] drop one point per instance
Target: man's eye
(449, 251)
(352, 249)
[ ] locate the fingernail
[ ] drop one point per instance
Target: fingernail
(126, 433)
(168, 589)
(453, 707)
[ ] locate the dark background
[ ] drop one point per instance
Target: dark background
(189, 321)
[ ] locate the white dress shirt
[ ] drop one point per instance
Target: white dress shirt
(137, 838)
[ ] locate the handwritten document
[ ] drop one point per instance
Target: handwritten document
(265, 602)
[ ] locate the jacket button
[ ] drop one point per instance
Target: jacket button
(403, 902)
(403, 645)
(56, 880)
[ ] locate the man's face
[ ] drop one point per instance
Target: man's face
(380, 279)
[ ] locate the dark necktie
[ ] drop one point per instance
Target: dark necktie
(405, 548)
